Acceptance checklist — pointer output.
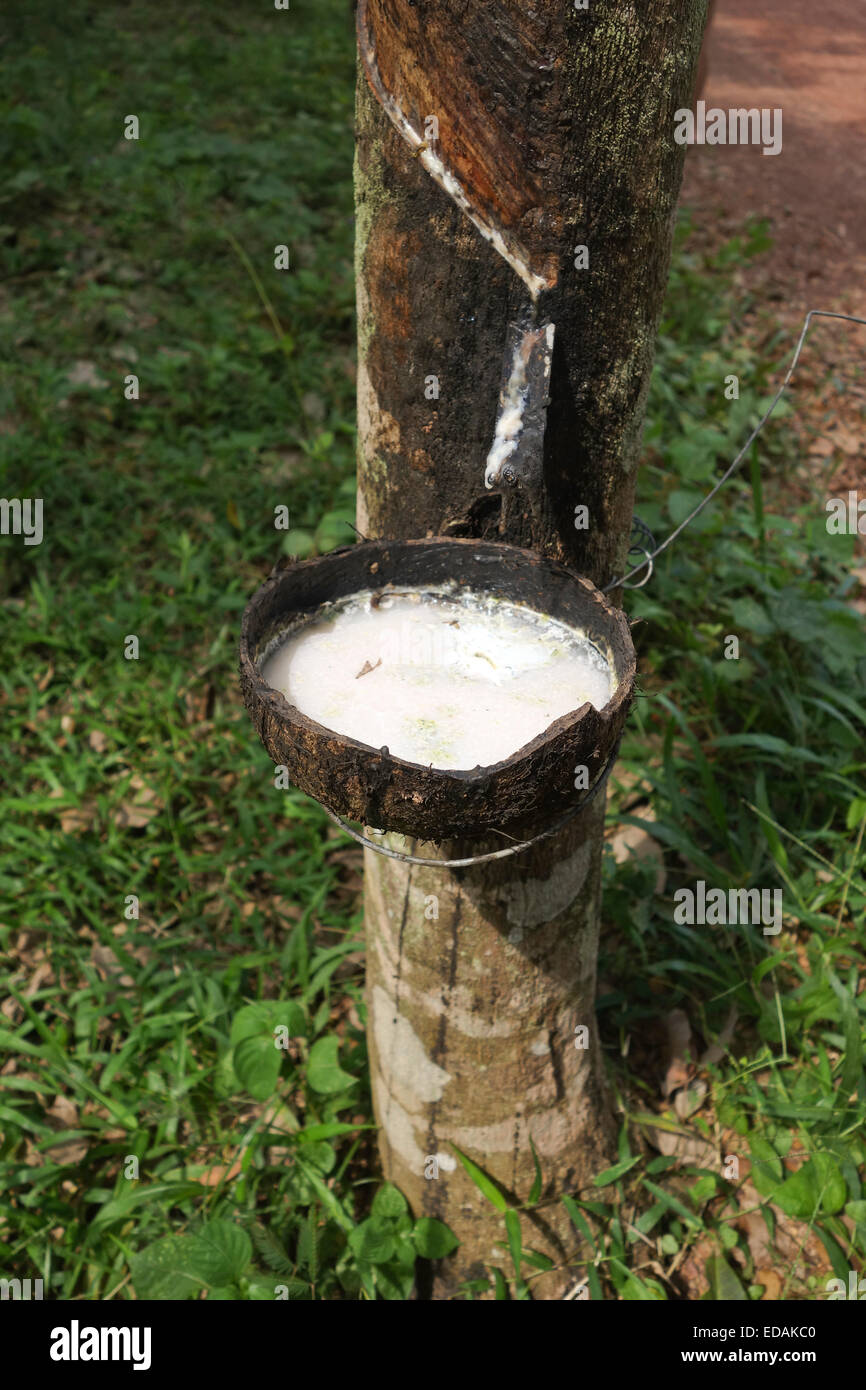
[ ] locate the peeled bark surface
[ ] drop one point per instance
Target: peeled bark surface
(567, 138)
(476, 981)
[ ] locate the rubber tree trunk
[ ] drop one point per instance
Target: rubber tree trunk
(560, 122)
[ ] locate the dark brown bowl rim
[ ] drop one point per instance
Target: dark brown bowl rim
(565, 724)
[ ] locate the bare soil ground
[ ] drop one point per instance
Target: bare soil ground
(809, 60)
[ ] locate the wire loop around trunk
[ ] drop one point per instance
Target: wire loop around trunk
(493, 854)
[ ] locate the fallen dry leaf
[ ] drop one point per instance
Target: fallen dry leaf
(716, 1050)
(65, 1111)
(632, 842)
(11, 1009)
(680, 1062)
(285, 909)
(822, 448)
(109, 967)
(83, 373)
(692, 1271)
(285, 463)
(690, 1098)
(62, 1115)
(685, 1148)
(73, 818)
(220, 1172)
(367, 668)
(848, 441)
(42, 973)
(771, 1282)
(141, 809)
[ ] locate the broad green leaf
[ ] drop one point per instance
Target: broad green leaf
(322, 1156)
(372, 1241)
(747, 613)
(298, 544)
(797, 1195)
(767, 1171)
(724, 1283)
(728, 1236)
(257, 1062)
(704, 1188)
(166, 1269)
(366, 1273)
(394, 1281)
(260, 1020)
(296, 1291)
(838, 1260)
(222, 1252)
(324, 1073)
(433, 1239)
(817, 1185)
(830, 1183)
(389, 1202)
(260, 1293)
(680, 502)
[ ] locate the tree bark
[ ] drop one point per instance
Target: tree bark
(560, 125)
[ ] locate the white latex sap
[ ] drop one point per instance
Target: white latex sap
(444, 678)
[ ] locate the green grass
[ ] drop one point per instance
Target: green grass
(756, 779)
(148, 1143)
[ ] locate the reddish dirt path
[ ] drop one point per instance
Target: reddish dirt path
(808, 58)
